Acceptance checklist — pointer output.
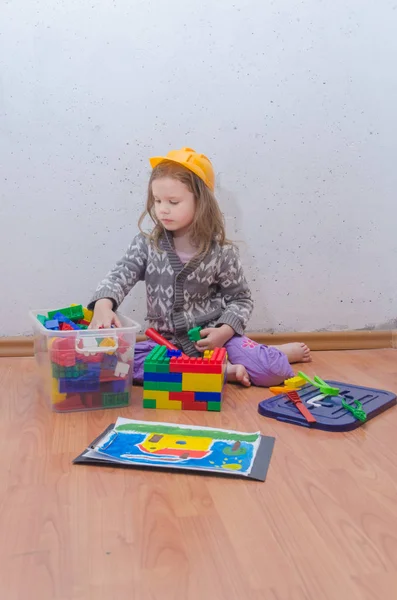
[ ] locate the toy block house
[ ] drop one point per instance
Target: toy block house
(174, 381)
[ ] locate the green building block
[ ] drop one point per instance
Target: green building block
(42, 319)
(157, 361)
(162, 386)
(112, 400)
(216, 406)
(74, 313)
(68, 372)
(194, 334)
(147, 403)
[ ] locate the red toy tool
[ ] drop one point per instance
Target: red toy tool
(294, 397)
(159, 339)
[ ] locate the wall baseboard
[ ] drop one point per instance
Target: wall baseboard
(316, 340)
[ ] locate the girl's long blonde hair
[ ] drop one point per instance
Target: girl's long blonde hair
(208, 224)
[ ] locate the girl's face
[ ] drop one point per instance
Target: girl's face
(174, 205)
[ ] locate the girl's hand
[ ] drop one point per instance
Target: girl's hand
(104, 317)
(214, 337)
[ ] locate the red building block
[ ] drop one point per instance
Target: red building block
(186, 405)
(91, 358)
(107, 375)
(194, 365)
(73, 402)
(188, 401)
(62, 352)
(92, 400)
(183, 396)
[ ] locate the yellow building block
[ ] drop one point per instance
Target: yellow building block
(202, 382)
(88, 314)
(110, 343)
(56, 396)
(172, 404)
(295, 382)
(162, 399)
(156, 395)
(208, 353)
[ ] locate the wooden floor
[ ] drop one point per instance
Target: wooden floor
(323, 526)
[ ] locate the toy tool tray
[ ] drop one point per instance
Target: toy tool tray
(329, 412)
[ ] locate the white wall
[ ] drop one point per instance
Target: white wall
(294, 102)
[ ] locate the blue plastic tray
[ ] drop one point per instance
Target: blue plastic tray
(330, 416)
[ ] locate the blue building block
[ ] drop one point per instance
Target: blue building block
(118, 386)
(168, 377)
(109, 361)
(174, 353)
(62, 319)
(207, 397)
(89, 382)
(93, 368)
(52, 324)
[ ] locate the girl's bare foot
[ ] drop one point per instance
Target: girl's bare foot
(238, 373)
(296, 352)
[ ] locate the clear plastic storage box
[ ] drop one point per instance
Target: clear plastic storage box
(85, 369)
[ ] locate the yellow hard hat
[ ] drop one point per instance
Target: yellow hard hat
(198, 163)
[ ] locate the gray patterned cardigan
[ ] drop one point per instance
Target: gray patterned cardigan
(208, 291)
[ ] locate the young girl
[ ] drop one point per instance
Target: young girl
(193, 276)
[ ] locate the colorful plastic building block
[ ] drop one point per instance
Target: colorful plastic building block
(88, 382)
(52, 324)
(212, 363)
(56, 396)
(194, 334)
(197, 382)
(62, 351)
(68, 372)
(182, 382)
(164, 377)
(157, 361)
(174, 353)
(75, 313)
(115, 387)
(109, 361)
(114, 400)
(121, 369)
(63, 319)
(87, 315)
(92, 400)
(108, 343)
(72, 402)
(83, 323)
(42, 319)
